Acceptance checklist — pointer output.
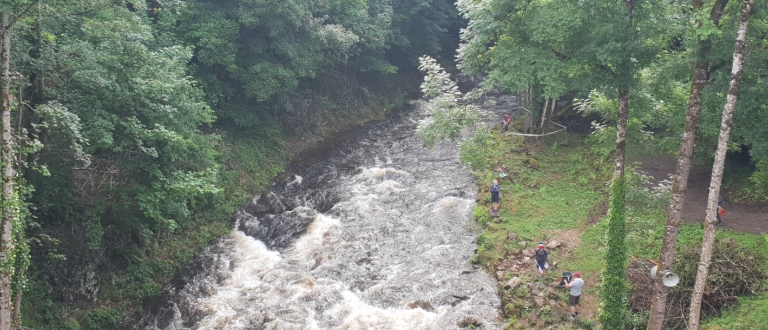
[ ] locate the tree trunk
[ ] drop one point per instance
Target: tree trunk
(682, 171)
(614, 284)
(717, 167)
(621, 135)
(528, 98)
(545, 128)
(6, 243)
(19, 292)
(544, 113)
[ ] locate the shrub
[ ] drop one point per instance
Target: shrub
(100, 319)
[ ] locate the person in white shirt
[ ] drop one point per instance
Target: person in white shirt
(575, 286)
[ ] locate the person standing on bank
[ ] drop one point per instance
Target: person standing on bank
(495, 190)
(541, 259)
(575, 286)
(506, 122)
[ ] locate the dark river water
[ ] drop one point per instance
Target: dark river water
(374, 233)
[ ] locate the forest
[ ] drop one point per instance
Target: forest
(133, 131)
(138, 128)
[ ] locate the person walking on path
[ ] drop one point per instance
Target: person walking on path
(495, 190)
(719, 206)
(506, 122)
(541, 259)
(575, 286)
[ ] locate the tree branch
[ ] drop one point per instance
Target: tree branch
(17, 17)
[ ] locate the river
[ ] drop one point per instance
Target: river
(376, 232)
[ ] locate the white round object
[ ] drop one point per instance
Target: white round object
(670, 279)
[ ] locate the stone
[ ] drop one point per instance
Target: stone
(522, 243)
(500, 275)
(426, 306)
(469, 322)
(538, 301)
(512, 236)
(527, 258)
(553, 245)
(529, 253)
(513, 283)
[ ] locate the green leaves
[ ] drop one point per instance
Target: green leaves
(55, 119)
(614, 287)
(449, 115)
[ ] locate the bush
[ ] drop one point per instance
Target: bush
(100, 319)
(735, 271)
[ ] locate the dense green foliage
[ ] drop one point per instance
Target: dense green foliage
(152, 122)
(262, 61)
(567, 50)
(141, 126)
(614, 287)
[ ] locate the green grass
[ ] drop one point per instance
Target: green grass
(560, 184)
(752, 313)
(557, 185)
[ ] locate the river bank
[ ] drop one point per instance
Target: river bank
(556, 192)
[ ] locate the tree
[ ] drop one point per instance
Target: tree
(447, 105)
(560, 47)
(717, 167)
(11, 12)
(682, 170)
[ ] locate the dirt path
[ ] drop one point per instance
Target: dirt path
(745, 218)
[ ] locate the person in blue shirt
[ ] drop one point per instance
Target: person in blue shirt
(541, 259)
(495, 190)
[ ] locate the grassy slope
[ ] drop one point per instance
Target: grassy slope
(559, 186)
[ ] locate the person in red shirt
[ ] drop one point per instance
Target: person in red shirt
(506, 122)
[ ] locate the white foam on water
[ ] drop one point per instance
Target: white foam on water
(296, 180)
(381, 173)
(363, 204)
(453, 205)
(388, 188)
(251, 259)
(316, 238)
(361, 315)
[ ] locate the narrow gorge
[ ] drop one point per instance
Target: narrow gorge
(376, 232)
